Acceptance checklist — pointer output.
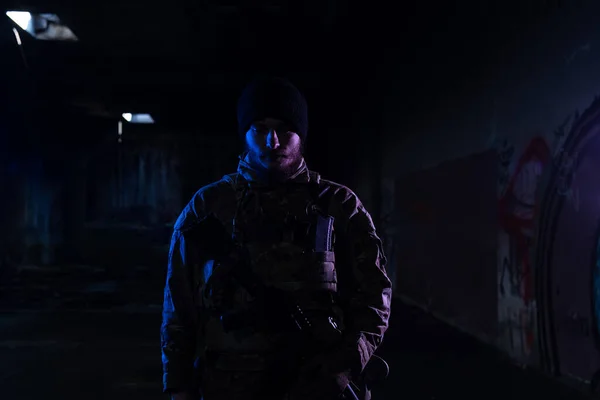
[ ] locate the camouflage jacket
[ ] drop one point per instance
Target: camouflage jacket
(363, 286)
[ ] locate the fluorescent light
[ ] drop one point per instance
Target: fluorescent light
(138, 118)
(21, 18)
(42, 26)
(142, 119)
(17, 36)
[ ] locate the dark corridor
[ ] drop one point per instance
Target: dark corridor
(458, 126)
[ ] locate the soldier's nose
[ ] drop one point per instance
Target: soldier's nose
(272, 140)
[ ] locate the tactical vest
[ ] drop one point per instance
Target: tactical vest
(289, 238)
(288, 234)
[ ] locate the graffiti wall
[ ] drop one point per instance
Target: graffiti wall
(546, 236)
(517, 211)
(544, 241)
(549, 215)
(521, 171)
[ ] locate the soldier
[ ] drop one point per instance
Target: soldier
(276, 285)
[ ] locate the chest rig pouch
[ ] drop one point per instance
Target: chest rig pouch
(291, 241)
(322, 271)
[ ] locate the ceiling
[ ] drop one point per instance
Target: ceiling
(186, 61)
(145, 57)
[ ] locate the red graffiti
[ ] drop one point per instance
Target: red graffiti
(517, 211)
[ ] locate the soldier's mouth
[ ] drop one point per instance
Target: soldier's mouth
(275, 156)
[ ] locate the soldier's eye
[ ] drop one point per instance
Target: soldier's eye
(260, 129)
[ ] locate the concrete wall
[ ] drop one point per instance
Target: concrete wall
(136, 189)
(98, 201)
(536, 112)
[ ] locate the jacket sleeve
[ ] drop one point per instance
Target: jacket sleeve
(365, 288)
(179, 320)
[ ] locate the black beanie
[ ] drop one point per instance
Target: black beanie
(272, 98)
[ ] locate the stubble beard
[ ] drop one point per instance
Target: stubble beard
(278, 173)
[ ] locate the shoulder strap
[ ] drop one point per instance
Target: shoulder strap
(321, 194)
(314, 176)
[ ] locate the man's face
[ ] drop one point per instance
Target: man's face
(274, 146)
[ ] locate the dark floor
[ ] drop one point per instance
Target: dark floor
(112, 352)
